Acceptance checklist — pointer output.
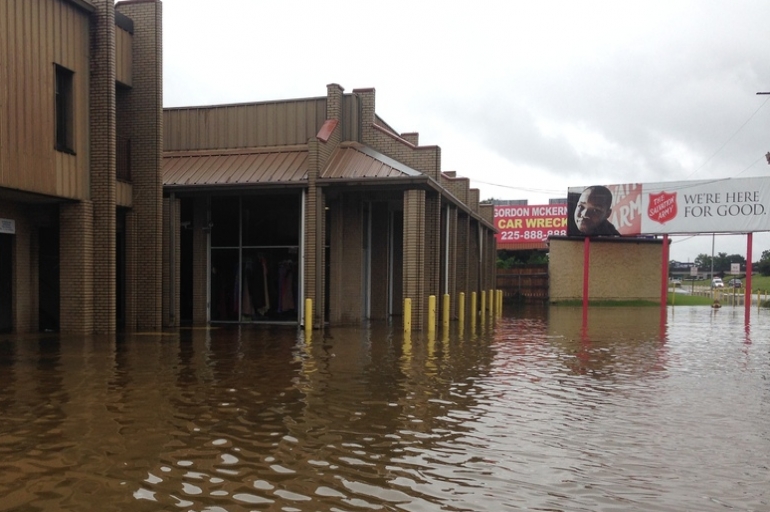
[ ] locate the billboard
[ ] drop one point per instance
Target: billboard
(733, 205)
(521, 224)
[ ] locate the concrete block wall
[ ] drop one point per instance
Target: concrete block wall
(619, 269)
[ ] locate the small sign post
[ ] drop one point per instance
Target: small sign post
(693, 274)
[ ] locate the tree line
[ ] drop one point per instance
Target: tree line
(723, 261)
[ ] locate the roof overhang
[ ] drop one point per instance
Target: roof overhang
(235, 168)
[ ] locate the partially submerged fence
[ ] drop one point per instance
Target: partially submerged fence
(526, 283)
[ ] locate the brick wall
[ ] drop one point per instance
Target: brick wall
(311, 221)
(144, 102)
(462, 253)
(433, 262)
(414, 272)
(618, 269)
(426, 159)
(103, 189)
(76, 235)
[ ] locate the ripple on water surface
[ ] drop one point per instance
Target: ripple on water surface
(538, 411)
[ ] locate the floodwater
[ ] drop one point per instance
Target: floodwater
(534, 412)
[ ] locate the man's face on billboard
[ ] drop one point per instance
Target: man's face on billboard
(592, 209)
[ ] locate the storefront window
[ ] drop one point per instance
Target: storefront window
(254, 258)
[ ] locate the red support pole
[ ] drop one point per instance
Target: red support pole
(664, 281)
(664, 273)
(586, 258)
(747, 297)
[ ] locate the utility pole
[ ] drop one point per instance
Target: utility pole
(767, 155)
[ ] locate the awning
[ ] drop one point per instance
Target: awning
(358, 161)
(234, 167)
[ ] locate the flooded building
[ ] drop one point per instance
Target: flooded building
(271, 203)
(110, 220)
(80, 162)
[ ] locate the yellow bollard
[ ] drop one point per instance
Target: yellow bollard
(483, 308)
(407, 316)
(491, 303)
(431, 313)
(308, 315)
(445, 311)
(500, 303)
(461, 307)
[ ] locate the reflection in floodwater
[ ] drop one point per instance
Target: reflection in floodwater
(534, 412)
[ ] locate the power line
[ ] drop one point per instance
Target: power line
(524, 189)
(731, 137)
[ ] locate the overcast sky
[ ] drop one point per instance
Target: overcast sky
(524, 98)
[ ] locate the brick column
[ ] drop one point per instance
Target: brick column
(452, 260)
(463, 284)
(103, 186)
(414, 255)
(144, 106)
(312, 272)
(76, 277)
(433, 263)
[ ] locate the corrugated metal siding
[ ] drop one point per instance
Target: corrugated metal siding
(350, 116)
(33, 37)
(350, 162)
(123, 56)
(244, 168)
(277, 123)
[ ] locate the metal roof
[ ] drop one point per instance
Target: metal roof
(234, 167)
(358, 161)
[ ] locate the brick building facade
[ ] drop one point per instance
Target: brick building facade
(367, 217)
(80, 181)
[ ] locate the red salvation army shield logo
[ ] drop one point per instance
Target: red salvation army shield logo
(662, 207)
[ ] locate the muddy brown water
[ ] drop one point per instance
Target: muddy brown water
(532, 412)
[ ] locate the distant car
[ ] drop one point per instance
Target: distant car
(734, 283)
(675, 281)
(717, 283)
